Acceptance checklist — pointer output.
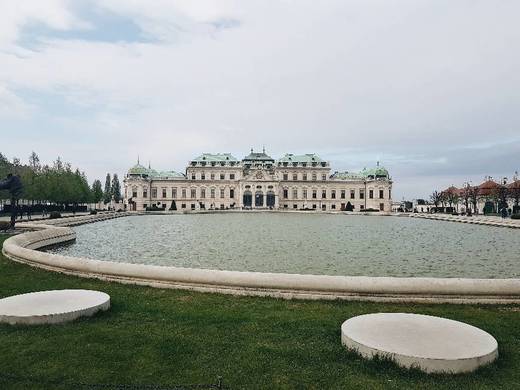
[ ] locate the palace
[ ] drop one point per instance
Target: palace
(293, 182)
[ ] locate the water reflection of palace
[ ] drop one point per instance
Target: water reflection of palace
(296, 182)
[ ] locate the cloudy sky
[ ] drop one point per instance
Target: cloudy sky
(429, 88)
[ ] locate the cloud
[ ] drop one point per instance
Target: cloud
(417, 85)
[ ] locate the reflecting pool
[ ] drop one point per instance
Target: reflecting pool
(327, 244)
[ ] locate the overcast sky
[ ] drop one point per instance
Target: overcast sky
(429, 88)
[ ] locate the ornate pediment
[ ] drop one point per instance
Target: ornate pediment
(260, 175)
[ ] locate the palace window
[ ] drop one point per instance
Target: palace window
(361, 194)
(183, 206)
(145, 206)
(323, 194)
(389, 194)
(371, 194)
(314, 177)
(164, 192)
(202, 176)
(134, 192)
(231, 176)
(154, 192)
(324, 177)
(193, 206)
(381, 194)
(352, 194)
(324, 207)
(145, 193)
(314, 194)
(202, 193)
(212, 176)
(193, 176)
(333, 207)
(361, 207)
(295, 176)
(222, 194)
(183, 193)
(232, 193)
(381, 207)
(305, 193)
(174, 192)
(343, 194)
(333, 194)
(314, 206)
(294, 206)
(193, 193)
(285, 176)
(285, 193)
(212, 193)
(222, 176)
(304, 177)
(295, 193)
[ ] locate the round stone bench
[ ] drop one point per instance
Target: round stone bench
(52, 307)
(431, 344)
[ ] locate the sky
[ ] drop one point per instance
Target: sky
(431, 89)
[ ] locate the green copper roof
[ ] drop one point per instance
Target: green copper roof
(347, 176)
(377, 172)
(215, 157)
(301, 158)
(168, 175)
(258, 156)
(138, 169)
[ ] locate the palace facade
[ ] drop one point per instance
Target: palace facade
(293, 182)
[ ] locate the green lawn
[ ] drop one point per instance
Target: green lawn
(166, 337)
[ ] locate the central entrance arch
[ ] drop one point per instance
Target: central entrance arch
(270, 199)
(259, 199)
(247, 199)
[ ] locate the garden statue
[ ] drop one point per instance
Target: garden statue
(13, 184)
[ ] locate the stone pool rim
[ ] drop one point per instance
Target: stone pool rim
(23, 248)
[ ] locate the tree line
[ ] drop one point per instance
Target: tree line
(58, 182)
(469, 195)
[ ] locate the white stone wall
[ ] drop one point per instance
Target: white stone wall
(223, 187)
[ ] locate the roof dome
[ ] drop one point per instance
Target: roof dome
(378, 172)
(138, 169)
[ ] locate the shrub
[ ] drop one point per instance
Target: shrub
(120, 210)
(93, 212)
(5, 225)
(454, 213)
(54, 215)
(515, 216)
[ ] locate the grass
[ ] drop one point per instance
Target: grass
(166, 337)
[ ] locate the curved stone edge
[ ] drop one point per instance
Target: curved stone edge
(469, 220)
(55, 318)
(430, 366)
(22, 248)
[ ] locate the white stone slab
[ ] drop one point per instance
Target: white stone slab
(431, 344)
(52, 307)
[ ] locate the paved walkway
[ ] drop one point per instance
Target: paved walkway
(38, 216)
(476, 219)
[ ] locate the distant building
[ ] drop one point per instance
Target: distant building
(258, 181)
(488, 197)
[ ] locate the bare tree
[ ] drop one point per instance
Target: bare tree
(474, 193)
(466, 195)
(436, 198)
(514, 191)
(500, 195)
